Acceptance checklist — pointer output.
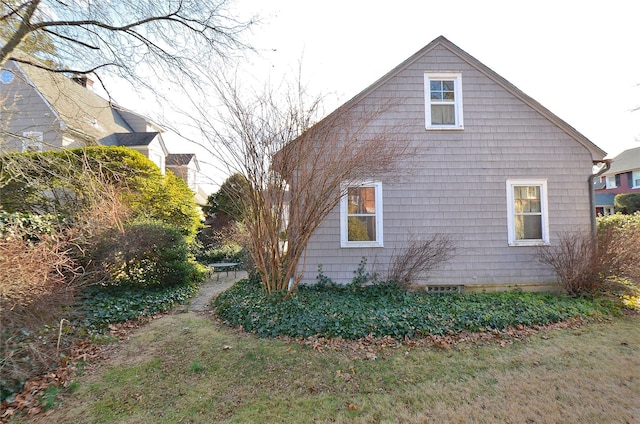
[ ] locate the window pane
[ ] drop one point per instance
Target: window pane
(362, 228)
(526, 199)
(528, 227)
(442, 90)
(362, 200)
(518, 206)
(443, 115)
(533, 192)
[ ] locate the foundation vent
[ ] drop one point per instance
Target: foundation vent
(445, 289)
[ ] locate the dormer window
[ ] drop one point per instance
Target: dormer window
(443, 100)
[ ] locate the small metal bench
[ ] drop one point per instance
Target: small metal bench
(224, 266)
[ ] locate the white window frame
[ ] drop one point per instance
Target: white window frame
(511, 184)
(31, 141)
(456, 77)
(344, 216)
(635, 179)
(610, 181)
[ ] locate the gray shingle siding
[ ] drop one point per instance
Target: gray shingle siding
(454, 181)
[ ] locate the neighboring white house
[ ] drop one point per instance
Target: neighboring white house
(47, 110)
(491, 168)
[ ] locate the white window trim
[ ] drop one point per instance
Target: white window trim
(635, 176)
(542, 183)
(457, 78)
(344, 204)
(610, 182)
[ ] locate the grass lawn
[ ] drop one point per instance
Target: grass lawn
(188, 368)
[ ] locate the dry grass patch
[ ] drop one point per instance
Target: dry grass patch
(188, 368)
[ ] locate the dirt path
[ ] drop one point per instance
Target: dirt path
(214, 285)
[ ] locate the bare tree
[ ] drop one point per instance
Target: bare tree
(296, 171)
(144, 41)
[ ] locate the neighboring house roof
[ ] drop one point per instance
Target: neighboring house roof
(182, 159)
(626, 161)
(604, 199)
(135, 138)
(138, 122)
(90, 119)
(79, 109)
(596, 152)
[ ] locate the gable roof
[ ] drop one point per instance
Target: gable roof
(135, 138)
(628, 160)
(79, 109)
(596, 152)
(181, 159)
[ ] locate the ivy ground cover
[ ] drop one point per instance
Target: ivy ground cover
(354, 312)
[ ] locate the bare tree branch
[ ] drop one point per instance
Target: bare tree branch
(296, 172)
(122, 37)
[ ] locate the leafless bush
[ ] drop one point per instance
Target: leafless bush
(587, 264)
(29, 269)
(34, 284)
(419, 257)
(39, 274)
(577, 261)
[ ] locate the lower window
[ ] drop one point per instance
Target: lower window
(361, 216)
(527, 219)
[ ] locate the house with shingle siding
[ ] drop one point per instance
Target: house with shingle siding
(44, 110)
(491, 168)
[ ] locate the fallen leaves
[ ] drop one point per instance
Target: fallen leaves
(28, 399)
(372, 348)
(366, 348)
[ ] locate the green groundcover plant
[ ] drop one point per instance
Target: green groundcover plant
(353, 312)
(101, 306)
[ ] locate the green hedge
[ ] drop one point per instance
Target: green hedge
(353, 312)
(147, 253)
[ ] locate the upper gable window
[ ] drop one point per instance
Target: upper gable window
(443, 97)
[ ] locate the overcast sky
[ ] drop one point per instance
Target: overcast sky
(580, 59)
